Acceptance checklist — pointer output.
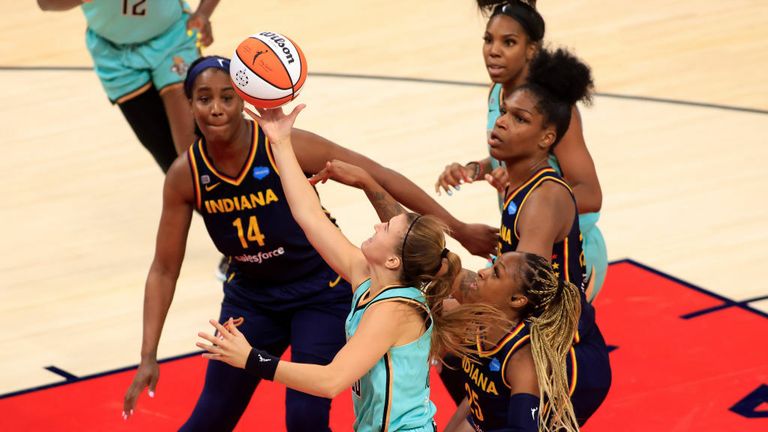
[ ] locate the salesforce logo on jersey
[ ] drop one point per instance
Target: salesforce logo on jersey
(261, 256)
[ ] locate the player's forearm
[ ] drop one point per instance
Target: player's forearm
(302, 199)
(412, 196)
(58, 5)
(384, 204)
(158, 295)
(312, 379)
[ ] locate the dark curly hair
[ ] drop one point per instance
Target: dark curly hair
(558, 80)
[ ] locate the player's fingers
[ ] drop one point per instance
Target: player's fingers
(315, 179)
(296, 110)
(493, 182)
(457, 172)
(448, 182)
(212, 339)
(129, 401)
(233, 328)
(213, 349)
(222, 329)
(153, 385)
(252, 114)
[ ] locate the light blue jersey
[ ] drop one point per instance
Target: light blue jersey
(394, 394)
(138, 43)
(593, 244)
(131, 21)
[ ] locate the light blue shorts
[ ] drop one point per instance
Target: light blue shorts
(162, 60)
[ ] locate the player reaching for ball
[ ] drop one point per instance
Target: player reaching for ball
(401, 276)
(278, 289)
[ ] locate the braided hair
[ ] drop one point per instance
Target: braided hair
(553, 310)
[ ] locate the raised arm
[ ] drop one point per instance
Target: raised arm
(345, 258)
(578, 168)
(386, 206)
(161, 281)
(479, 239)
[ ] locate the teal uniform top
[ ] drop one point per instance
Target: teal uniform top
(132, 21)
(394, 394)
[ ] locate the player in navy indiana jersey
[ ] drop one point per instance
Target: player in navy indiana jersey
(549, 371)
(396, 324)
(278, 284)
(540, 215)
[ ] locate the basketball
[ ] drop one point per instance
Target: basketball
(268, 70)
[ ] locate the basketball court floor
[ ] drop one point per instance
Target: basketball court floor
(677, 132)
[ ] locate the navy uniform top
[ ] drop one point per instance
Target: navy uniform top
(488, 391)
(567, 254)
(248, 217)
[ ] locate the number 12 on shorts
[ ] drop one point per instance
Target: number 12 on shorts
(251, 234)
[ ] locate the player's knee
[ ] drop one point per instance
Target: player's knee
(146, 115)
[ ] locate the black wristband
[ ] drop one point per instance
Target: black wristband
(261, 364)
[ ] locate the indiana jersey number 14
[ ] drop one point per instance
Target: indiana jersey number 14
(252, 234)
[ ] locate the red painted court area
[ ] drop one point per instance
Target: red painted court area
(685, 360)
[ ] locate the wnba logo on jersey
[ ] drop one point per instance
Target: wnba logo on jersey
(512, 208)
(260, 172)
(356, 388)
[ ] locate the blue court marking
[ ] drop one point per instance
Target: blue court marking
(726, 301)
(61, 372)
(88, 377)
(725, 305)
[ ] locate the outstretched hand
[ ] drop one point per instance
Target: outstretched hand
(275, 123)
(230, 346)
(342, 172)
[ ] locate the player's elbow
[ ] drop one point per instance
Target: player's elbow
(592, 205)
(331, 388)
(588, 200)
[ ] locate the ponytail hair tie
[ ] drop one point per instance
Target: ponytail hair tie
(444, 253)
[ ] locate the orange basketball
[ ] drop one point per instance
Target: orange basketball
(268, 70)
